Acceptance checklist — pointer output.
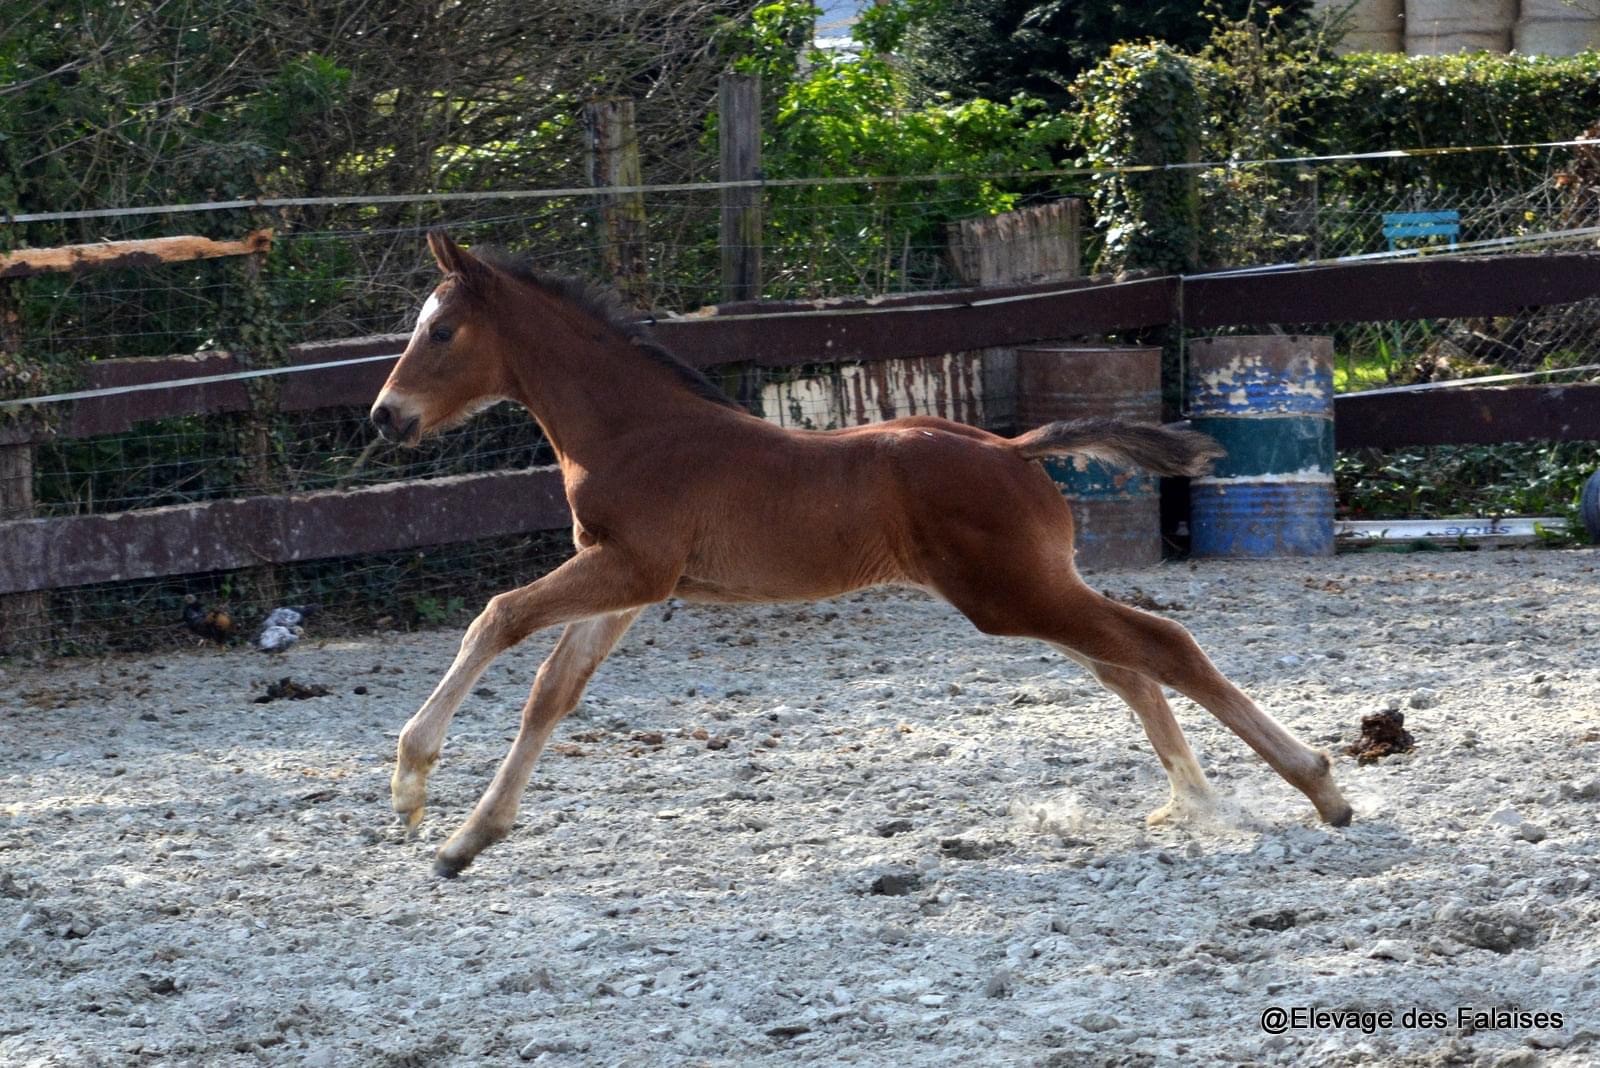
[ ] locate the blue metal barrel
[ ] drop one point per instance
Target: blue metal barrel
(1116, 511)
(1269, 401)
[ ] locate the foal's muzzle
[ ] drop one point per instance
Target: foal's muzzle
(392, 425)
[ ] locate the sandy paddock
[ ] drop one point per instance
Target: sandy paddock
(857, 832)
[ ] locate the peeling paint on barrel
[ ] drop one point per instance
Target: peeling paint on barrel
(1268, 400)
(1116, 510)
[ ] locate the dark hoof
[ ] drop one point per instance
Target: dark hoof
(449, 869)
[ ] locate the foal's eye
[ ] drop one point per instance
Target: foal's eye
(441, 334)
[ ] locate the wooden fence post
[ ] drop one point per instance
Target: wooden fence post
(1036, 244)
(739, 130)
(614, 163)
(24, 617)
(263, 473)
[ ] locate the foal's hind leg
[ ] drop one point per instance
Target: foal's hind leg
(556, 691)
(1190, 790)
(1112, 633)
(1053, 604)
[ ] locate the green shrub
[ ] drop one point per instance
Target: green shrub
(1142, 106)
(853, 115)
(1363, 103)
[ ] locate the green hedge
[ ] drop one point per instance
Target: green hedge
(1301, 103)
(1370, 102)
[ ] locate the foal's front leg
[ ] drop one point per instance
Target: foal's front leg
(423, 735)
(556, 691)
(596, 581)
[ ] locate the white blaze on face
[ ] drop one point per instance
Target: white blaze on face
(429, 307)
(387, 397)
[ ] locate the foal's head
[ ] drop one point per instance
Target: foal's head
(452, 367)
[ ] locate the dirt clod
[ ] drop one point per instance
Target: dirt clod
(287, 689)
(969, 849)
(1138, 598)
(1382, 734)
(895, 884)
(1273, 920)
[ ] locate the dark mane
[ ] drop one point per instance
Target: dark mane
(605, 305)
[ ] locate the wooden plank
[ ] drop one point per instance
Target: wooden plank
(337, 387)
(849, 334)
(157, 250)
(919, 298)
(1486, 415)
(1491, 532)
(117, 413)
(888, 328)
(43, 554)
(829, 331)
(24, 617)
(1038, 242)
(353, 386)
(22, 432)
(952, 386)
(1423, 288)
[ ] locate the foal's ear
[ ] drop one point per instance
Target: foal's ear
(453, 259)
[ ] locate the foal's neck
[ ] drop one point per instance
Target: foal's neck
(587, 384)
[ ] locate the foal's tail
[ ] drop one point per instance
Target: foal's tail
(1162, 450)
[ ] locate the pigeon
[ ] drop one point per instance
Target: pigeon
(277, 639)
(288, 616)
(213, 624)
(281, 628)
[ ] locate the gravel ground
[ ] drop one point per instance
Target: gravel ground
(854, 832)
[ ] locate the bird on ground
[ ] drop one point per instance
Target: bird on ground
(289, 615)
(277, 639)
(281, 628)
(213, 624)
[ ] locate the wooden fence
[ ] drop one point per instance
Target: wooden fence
(51, 553)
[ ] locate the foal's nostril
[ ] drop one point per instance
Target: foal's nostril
(392, 423)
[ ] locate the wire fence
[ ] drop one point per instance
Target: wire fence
(196, 459)
(1538, 202)
(339, 272)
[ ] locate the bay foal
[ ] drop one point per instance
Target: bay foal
(677, 492)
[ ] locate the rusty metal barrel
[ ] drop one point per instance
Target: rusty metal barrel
(1268, 400)
(1116, 510)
